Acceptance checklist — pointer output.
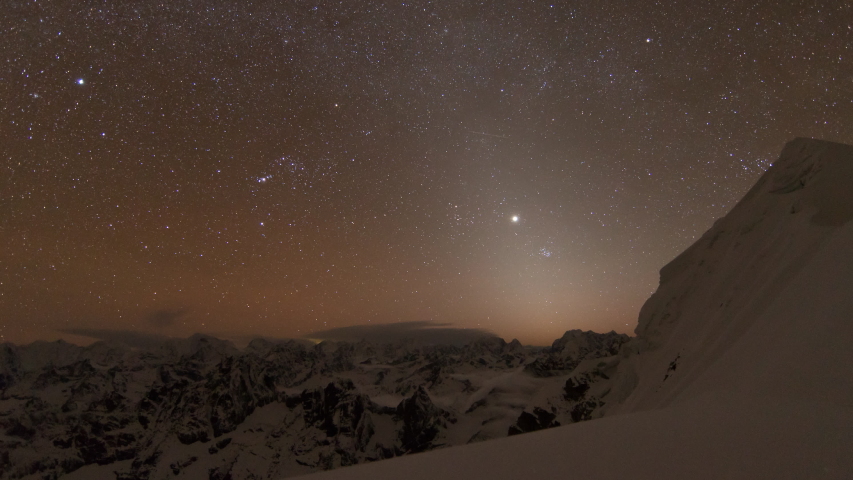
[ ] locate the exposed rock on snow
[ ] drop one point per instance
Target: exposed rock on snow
(540, 419)
(567, 352)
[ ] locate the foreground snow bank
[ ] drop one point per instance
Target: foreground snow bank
(715, 437)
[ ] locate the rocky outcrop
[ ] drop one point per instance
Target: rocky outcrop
(575, 389)
(530, 422)
(567, 352)
(422, 421)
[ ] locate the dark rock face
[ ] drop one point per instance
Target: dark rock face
(236, 389)
(589, 344)
(421, 422)
(550, 366)
(336, 409)
(339, 427)
(530, 422)
(575, 390)
(10, 367)
(573, 347)
(583, 410)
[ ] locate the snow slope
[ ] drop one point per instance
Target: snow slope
(742, 366)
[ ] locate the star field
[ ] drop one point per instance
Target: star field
(273, 169)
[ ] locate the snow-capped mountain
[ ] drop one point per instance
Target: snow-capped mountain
(201, 408)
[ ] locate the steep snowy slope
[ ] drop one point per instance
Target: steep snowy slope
(742, 366)
(714, 294)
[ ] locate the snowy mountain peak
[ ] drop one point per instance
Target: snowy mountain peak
(777, 223)
(719, 288)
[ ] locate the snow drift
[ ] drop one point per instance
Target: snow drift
(742, 366)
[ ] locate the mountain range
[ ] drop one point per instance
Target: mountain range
(202, 408)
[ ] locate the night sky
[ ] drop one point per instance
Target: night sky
(279, 168)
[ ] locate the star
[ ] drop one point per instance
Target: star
(366, 151)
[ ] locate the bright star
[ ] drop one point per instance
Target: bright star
(80, 81)
(515, 218)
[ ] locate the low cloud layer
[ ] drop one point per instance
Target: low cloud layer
(422, 331)
(145, 341)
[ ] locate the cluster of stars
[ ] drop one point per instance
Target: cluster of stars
(282, 168)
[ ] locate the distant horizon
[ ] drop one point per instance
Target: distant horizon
(84, 338)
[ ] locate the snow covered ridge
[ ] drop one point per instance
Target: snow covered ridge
(742, 367)
(718, 289)
(201, 408)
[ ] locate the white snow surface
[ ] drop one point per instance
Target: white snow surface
(742, 366)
